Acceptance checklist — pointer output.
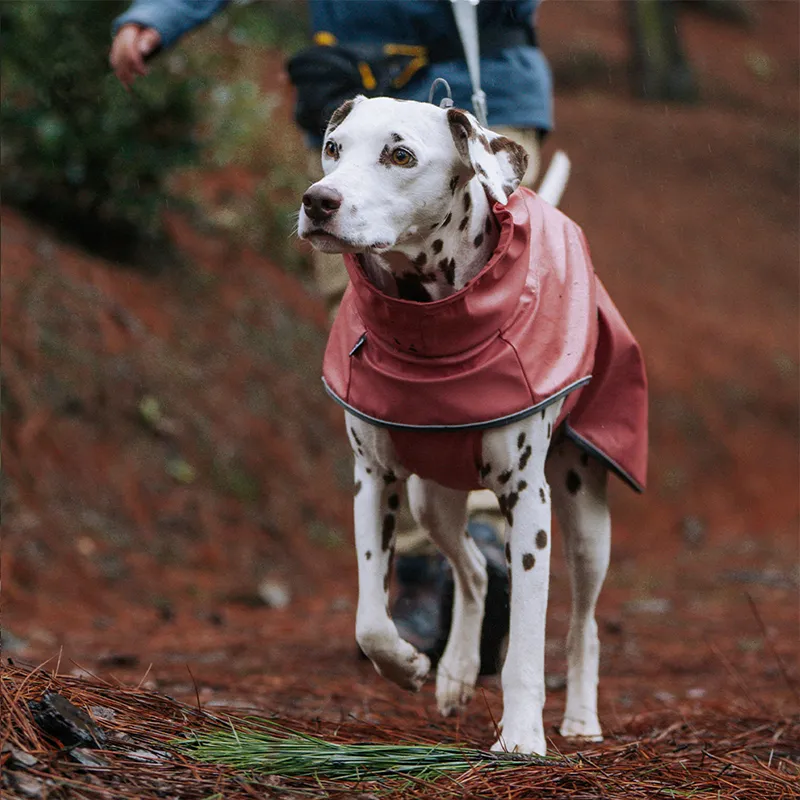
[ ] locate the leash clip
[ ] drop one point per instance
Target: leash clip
(446, 102)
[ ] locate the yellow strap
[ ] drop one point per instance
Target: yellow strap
(367, 78)
(324, 39)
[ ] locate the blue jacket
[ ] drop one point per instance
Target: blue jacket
(516, 80)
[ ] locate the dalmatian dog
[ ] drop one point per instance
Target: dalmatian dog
(409, 188)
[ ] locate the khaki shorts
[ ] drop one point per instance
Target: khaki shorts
(331, 279)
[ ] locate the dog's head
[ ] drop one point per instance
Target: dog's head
(392, 168)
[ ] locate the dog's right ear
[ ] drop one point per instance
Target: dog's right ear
(339, 116)
(498, 162)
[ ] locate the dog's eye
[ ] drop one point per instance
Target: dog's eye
(402, 157)
(331, 149)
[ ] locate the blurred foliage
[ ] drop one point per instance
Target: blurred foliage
(102, 164)
(77, 149)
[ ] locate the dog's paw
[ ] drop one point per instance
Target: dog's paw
(588, 730)
(455, 683)
(527, 739)
(408, 673)
(530, 743)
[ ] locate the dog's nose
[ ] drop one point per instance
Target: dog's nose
(321, 202)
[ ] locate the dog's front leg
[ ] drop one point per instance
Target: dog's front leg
(376, 502)
(514, 457)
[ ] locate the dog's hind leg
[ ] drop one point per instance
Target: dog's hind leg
(376, 502)
(578, 484)
(443, 514)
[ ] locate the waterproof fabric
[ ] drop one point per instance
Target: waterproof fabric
(535, 326)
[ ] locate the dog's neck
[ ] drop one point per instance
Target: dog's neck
(434, 264)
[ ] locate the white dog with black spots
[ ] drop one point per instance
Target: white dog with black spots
(410, 187)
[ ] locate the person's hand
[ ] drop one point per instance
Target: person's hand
(130, 47)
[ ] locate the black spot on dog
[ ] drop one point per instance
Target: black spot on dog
(481, 171)
(528, 561)
(467, 201)
(369, 470)
(521, 441)
(389, 477)
(368, 555)
(355, 437)
(454, 183)
(485, 469)
(387, 531)
(393, 501)
(448, 268)
(503, 477)
(523, 459)
(508, 552)
(388, 576)
(542, 495)
(573, 482)
(478, 240)
(420, 260)
(507, 503)
(447, 220)
(543, 410)
(356, 488)
(396, 137)
(522, 486)
(360, 451)
(437, 246)
(410, 287)
(488, 226)
(549, 430)
(541, 539)
(464, 222)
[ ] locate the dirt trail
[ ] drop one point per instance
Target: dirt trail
(167, 445)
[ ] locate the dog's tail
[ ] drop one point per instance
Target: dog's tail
(555, 179)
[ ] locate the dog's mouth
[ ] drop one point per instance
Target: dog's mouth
(329, 243)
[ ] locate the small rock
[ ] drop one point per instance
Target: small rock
(86, 757)
(145, 755)
(27, 785)
(118, 660)
(56, 716)
(341, 604)
(274, 593)
(765, 577)
(696, 693)
(693, 531)
(555, 683)
(663, 696)
(19, 758)
(10, 644)
(649, 605)
(613, 626)
(103, 713)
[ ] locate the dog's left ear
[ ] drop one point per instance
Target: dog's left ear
(498, 162)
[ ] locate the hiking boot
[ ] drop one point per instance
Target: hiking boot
(416, 609)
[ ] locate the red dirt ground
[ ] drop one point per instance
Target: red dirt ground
(136, 547)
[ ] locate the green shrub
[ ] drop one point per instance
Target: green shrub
(77, 149)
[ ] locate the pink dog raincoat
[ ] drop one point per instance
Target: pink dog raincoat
(536, 325)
